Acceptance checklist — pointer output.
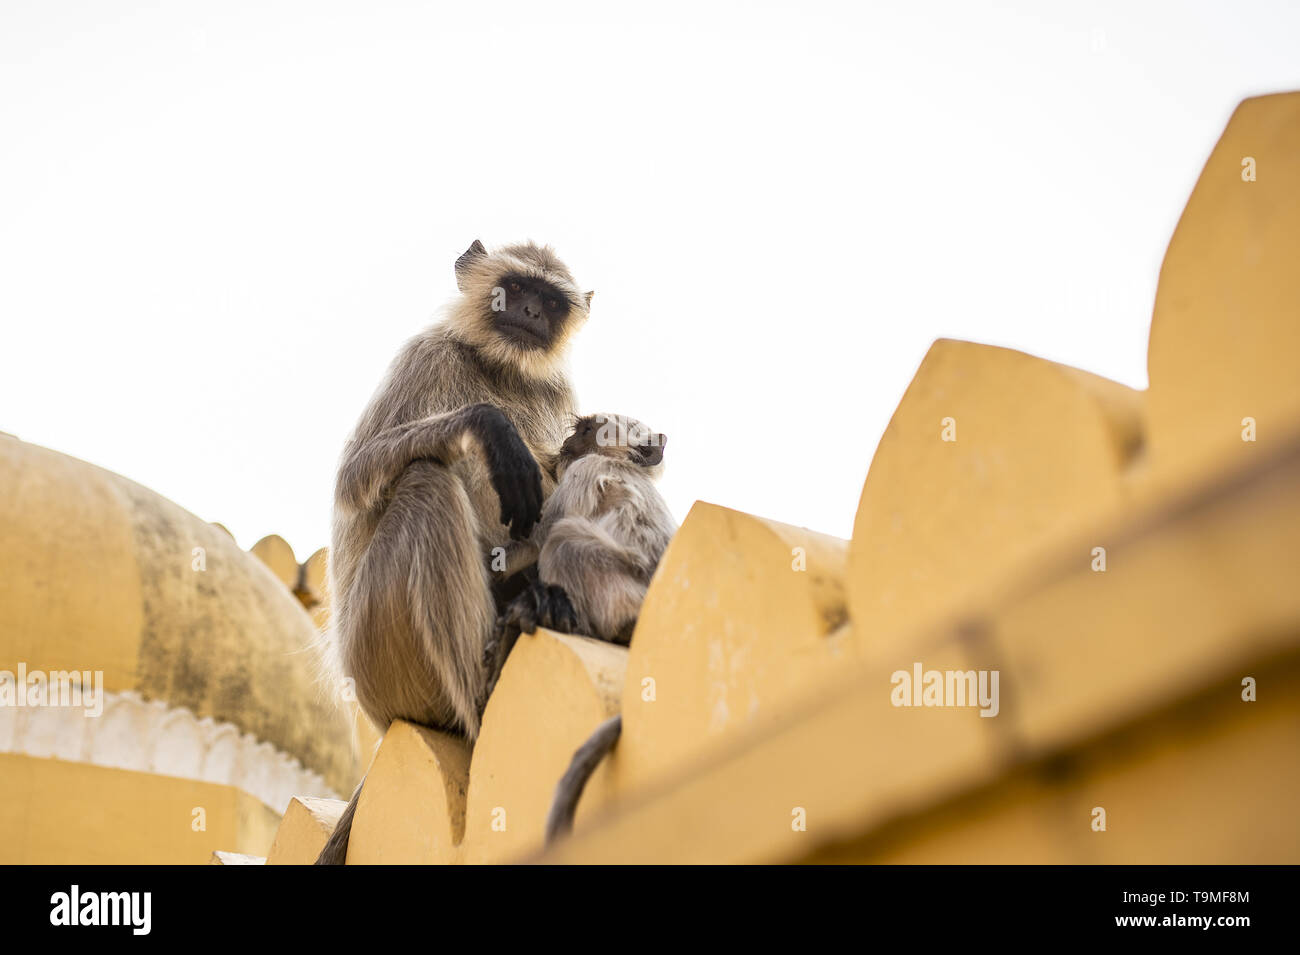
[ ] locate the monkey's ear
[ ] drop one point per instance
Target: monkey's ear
(475, 251)
(589, 295)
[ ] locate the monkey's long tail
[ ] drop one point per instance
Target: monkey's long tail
(336, 849)
(569, 789)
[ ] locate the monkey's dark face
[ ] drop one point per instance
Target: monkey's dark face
(614, 436)
(528, 312)
(519, 307)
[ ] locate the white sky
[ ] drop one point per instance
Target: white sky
(219, 221)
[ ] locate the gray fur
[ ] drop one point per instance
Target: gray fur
(604, 529)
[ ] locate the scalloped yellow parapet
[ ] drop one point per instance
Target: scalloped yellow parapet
(1225, 335)
(304, 830)
(274, 551)
(1122, 689)
(737, 624)
(235, 858)
(412, 806)
(554, 690)
(1038, 447)
(312, 588)
(426, 801)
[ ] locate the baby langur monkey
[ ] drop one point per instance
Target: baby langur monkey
(600, 538)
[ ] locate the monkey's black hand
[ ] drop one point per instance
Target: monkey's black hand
(555, 610)
(541, 605)
(514, 472)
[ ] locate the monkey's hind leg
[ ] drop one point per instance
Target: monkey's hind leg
(498, 648)
(569, 789)
(421, 610)
(335, 851)
(602, 577)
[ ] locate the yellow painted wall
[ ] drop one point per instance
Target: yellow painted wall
(62, 813)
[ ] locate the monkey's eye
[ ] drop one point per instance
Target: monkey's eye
(515, 286)
(552, 304)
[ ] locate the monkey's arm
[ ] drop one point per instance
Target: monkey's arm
(371, 464)
(520, 555)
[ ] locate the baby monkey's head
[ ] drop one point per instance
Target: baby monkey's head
(614, 436)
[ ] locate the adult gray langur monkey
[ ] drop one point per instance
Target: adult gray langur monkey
(441, 469)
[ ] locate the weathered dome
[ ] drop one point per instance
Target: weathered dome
(98, 573)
